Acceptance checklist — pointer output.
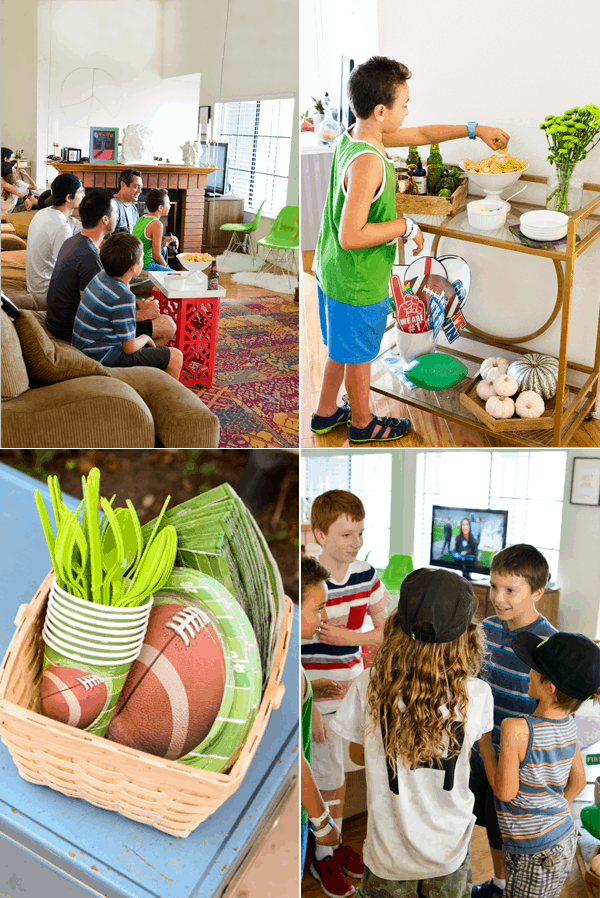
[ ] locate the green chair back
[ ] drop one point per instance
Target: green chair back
(399, 567)
(252, 225)
(285, 232)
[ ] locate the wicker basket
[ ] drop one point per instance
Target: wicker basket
(171, 797)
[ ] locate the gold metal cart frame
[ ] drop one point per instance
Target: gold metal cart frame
(579, 405)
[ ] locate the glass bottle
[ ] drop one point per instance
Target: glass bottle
(412, 159)
(329, 129)
(434, 160)
(419, 177)
(213, 277)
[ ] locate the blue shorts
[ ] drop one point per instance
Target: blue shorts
(352, 334)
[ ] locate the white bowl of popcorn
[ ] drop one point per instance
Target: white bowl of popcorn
(494, 174)
(195, 261)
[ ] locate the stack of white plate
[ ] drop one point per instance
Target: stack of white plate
(544, 225)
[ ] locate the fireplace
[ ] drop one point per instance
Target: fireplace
(189, 180)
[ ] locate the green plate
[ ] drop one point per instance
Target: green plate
(436, 371)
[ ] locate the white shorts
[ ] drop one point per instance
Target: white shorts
(328, 759)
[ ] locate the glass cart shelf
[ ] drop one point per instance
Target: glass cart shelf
(580, 400)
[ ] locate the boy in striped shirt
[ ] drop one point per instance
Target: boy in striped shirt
(539, 770)
(333, 658)
(518, 576)
(104, 327)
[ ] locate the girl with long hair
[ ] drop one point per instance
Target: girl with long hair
(412, 719)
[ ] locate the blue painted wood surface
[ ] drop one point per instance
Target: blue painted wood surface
(100, 849)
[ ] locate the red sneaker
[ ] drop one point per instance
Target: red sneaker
(333, 882)
(350, 862)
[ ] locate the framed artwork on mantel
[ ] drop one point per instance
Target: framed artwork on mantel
(104, 145)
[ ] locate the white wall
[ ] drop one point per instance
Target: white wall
(19, 82)
(472, 61)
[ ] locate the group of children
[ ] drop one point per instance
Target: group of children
(456, 722)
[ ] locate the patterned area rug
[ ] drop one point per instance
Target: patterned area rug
(255, 384)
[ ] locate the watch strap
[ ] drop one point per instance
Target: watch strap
(471, 127)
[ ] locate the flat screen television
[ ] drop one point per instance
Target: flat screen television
(466, 539)
(217, 181)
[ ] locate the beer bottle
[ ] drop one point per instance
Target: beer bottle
(434, 160)
(411, 159)
(213, 277)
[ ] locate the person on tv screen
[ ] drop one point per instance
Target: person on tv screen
(465, 543)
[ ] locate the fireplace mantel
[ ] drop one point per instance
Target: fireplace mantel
(191, 179)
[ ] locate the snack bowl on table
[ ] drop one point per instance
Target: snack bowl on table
(493, 183)
(487, 214)
(195, 261)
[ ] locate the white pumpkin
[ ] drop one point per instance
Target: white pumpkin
(505, 385)
(530, 405)
(493, 362)
(500, 407)
(595, 864)
(485, 389)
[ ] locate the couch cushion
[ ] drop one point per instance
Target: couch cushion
(49, 360)
(20, 222)
(11, 242)
(14, 373)
(13, 258)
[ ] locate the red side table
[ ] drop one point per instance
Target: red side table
(195, 311)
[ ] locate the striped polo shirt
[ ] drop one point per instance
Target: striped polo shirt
(506, 673)
(347, 606)
(105, 319)
(538, 817)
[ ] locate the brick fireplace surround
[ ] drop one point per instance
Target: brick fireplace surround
(188, 178)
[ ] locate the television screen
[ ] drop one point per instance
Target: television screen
(465, 539)
(217, 180)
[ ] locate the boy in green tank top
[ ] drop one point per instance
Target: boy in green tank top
(357, 242)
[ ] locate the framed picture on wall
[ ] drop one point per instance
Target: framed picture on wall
(203, 119)
(104, 145)
(585, 482)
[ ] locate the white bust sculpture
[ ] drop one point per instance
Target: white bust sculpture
(191, 152)
(136, 144)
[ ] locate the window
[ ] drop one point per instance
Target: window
(258, 135)
(369, 477)
(529, 485)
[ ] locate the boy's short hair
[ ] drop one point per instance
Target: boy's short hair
(120, 252)
(373, 82)
(330, 505)
(155, 198)
(128, 174)
(312, 572)
(522, 560)
(94, 206)
(567, 702)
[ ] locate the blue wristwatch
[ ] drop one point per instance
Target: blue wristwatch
(471, 126)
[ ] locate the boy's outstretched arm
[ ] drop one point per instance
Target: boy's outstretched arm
(495, 138)
(576, 780)
(364, 180)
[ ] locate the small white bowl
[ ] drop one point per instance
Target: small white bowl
(193, 266)
(487, 214)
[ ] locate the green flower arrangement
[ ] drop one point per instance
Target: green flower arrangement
(570, 138)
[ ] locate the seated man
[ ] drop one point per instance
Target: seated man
(105, 326)
(150, 229)
(79, 262)
(130, 187)
(49, 229)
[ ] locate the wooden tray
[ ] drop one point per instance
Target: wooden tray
(433, 205)
(471, 401)
(590, 876)
(171, 797)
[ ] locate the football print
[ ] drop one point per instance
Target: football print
(174, 689)
(72, 696)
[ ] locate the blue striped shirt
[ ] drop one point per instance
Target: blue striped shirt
(538, 817)
(507, 674)
(105, 319)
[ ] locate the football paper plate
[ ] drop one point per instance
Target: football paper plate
(459, 275)
(232, 724)
(423, 275)
(435, 371)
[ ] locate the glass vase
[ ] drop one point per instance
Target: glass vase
(564, 189)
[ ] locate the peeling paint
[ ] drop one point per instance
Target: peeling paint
(72, 854)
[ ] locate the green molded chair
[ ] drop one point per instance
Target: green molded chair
(399, 567)
(282, 241)
(242, 234)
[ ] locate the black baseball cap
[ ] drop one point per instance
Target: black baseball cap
(442, 599)
(63, 186)
(6, 153)
(569, 660)
(7, 166)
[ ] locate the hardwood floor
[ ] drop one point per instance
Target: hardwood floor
(427, 429)
(354, 834)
